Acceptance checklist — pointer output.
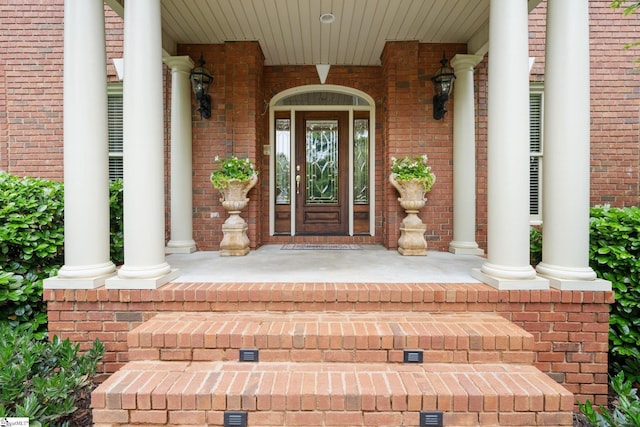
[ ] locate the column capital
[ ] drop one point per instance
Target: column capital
(461, 61)
(179, 63)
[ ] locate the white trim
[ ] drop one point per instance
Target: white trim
(371, 108)
(350, 176)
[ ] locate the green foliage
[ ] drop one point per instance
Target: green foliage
(117, 229)
(41, 379)
(628, 8)
(535, 245)
(614, 254)
(410, 168)
(232, 168)
(31, 246)
(626, 412)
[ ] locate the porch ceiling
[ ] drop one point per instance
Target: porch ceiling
(290, 32)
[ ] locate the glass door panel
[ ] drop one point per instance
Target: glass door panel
(322, 162)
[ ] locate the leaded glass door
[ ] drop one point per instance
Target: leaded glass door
(321, 173)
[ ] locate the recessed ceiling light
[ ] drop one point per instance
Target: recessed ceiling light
(327, 18)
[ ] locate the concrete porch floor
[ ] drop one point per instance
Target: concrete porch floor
(370, 264)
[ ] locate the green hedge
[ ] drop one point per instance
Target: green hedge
(32, 244)
(615, 256)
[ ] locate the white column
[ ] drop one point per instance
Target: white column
(464, 158)
(143, 160)
(565, 206)
(181, 164)
(86, 155)
(507, 266)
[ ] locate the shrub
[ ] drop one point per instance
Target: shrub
(117, 229)
(31, 246)
(39, 379)
(615, 256)
(626, 407)
(535, 246)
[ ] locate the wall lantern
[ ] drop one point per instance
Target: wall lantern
(443, 84)
(200, 80)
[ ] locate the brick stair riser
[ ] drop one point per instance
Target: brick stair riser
(157, 418)
(453, 338)
(364, 356)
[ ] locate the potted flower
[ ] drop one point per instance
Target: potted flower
(232, 169)
(234, 178)
(412, 177)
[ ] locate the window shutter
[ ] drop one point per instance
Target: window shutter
(535, 161)
(114, 111)
(535, 114)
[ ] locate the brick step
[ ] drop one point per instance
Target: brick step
(332, 337)
(331, 394)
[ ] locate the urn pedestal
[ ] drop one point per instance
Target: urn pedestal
(235, 241)
(412, 230)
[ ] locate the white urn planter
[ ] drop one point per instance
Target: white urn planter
(235, 241)
(412, 230)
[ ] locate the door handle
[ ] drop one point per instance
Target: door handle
(297, 184)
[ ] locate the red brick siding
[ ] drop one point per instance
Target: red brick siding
(114, 34)
(235, 128)
(615, 100)
(480, 80)
(31, 66)
(570, 329)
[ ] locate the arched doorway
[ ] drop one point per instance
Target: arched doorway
(322, 148)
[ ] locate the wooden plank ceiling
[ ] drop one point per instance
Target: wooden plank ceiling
(290, 31)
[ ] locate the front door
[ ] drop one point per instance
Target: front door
(322, 172)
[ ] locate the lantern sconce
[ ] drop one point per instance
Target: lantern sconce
(200, 80)
(443, 84)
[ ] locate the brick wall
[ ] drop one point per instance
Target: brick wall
(31, 90)
(570, 328)
(615, 100)
(235, 128)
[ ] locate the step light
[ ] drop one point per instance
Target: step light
(431, 419)
(249, 355)
(235, 419)
(413, 356)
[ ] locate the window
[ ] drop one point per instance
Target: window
(535, 159)
(114, 97)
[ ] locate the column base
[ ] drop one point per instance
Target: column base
(142, 283)
(79, 283)
(506, 284)
(577, 285)
(465, 248)
(180, 247)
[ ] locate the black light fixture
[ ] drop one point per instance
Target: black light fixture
(200, 80)
(443, 84)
